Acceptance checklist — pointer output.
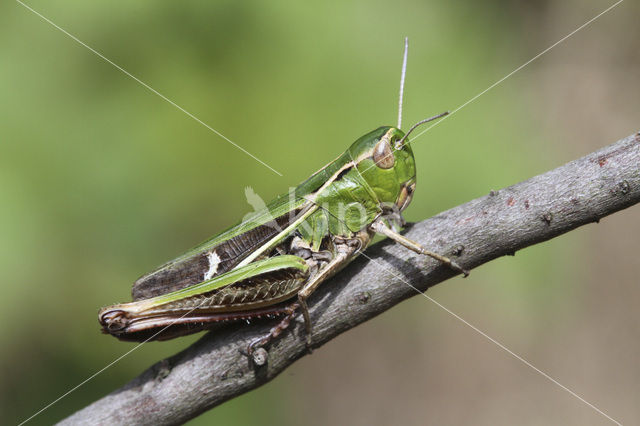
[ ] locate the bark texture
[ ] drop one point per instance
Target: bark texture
(213, 369)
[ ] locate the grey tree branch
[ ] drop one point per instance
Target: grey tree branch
(213, 369)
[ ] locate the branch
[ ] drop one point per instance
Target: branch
(213, 370)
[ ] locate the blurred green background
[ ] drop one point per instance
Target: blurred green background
(101, 180)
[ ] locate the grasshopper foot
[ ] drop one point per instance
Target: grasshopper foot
(255, 350)
(453, 265)
(308, 344)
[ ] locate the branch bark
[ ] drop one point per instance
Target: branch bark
(213, 370)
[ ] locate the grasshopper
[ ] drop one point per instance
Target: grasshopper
(269, 265)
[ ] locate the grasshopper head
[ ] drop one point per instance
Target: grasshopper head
(386, 162)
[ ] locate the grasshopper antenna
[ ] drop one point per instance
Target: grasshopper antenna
(426, 120)
(404, 72)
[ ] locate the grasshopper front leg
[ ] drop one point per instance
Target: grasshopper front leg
(380, 227)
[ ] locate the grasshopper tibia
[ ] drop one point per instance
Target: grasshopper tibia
(380, 227)
(291, 312)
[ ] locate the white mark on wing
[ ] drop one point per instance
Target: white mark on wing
(214, 261)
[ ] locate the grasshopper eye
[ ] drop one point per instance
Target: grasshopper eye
(382, 154)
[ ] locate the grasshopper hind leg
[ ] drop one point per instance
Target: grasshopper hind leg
(327, 263)
(290, 312)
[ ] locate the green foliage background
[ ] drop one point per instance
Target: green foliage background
(101, 180)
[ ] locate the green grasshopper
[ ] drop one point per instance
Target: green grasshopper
(270, 264)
